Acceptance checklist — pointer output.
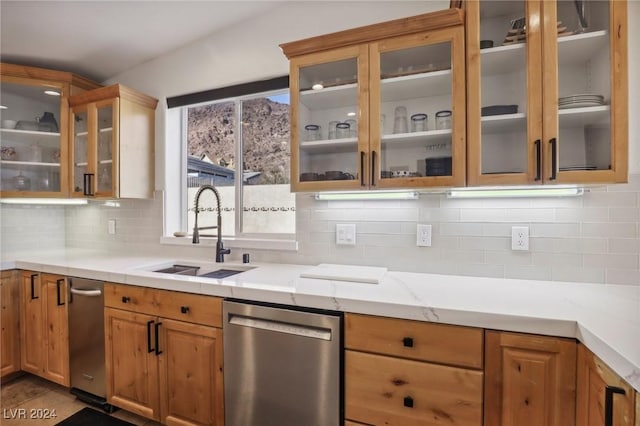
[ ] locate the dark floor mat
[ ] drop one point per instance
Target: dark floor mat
(90, 417)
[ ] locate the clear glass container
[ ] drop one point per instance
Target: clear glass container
(419, 122)
(443, 120)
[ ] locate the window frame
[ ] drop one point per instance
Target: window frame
(251, 239)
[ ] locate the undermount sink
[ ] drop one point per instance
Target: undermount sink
(205, 272)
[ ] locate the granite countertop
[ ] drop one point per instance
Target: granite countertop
(606, 318)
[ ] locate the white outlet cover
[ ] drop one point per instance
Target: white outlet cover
(423, 235)
(520, 238)
(346, 234)
(111, 226)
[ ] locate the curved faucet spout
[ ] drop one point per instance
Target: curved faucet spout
(220, 250)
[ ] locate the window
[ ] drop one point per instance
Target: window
(241, 146)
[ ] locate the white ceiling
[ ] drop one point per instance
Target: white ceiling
(100, 39)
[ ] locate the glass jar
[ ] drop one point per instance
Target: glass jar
(443, 120)
(419, 122)
(400, 124)
(342, 130)
(332, 129)
(353, 128)
(311, 132)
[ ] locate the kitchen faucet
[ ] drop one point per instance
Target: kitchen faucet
(220, 250)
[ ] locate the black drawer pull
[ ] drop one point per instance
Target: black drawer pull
(184, 309)
(608, 403)
(408, 402)
(149, 348)
(126, 299)
(408, 342)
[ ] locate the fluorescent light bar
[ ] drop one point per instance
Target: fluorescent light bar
(516, 192)
(45, 201)
(373, 195)
(52, 92)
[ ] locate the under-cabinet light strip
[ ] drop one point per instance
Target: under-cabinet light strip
(520, 192)
(373, 195)
(45, 201)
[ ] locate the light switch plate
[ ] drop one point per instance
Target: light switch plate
(346, 234)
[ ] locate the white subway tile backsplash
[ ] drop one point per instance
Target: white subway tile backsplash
(610, 230)
(557, 259)
(461, 229)
(587, 214)
(624, 214)
(614, 261)
(552, 230)
(624, 245)
(527, 272)
(610, 199)
(578, 274)
(623, 277)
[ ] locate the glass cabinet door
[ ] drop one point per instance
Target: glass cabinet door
(33, 157)
(82, 168)
(105, 140)
(329, 137)
(417, 110)
(505, 92)
(579, 116)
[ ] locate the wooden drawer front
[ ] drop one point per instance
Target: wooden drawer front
(380, 390)
(195, 308)
(446, 344)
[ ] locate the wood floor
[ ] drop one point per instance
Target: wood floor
(30, 396)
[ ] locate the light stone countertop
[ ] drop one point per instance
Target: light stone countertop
(606, 318)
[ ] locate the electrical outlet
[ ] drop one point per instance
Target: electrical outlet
(346, 234)
(423, 235)
(520, 238)
(111, 226)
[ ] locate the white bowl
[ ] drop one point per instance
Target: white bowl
(9, 124)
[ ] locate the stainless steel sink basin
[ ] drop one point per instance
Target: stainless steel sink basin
(205, 272)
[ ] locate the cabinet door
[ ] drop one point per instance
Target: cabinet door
(32, 331)
(596, 383)
(330, 120)
(106, 141)
(56, 342)
(504, 92)
(33, 137)
(82, 169)
(10, 322)
(417, 110)
(132, 365)
(585, 91)
(190, 363)
(529, 380)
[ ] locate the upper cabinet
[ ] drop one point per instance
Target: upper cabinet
(547, 92)
(34, 116)
(381, 106)
(112, 149)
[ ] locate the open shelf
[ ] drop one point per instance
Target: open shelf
(504, 123)
(419, 85)
(27, 165)
(578, 48)
(330, 146)
(330, 97)
(581, 117)
(503, 59)
(402, 140)
(46, 139)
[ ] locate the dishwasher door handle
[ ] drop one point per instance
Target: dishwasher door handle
(281, 327)
(90, 293)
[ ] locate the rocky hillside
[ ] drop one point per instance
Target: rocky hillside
(211, 131)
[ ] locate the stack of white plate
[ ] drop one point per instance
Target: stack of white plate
(580, 101)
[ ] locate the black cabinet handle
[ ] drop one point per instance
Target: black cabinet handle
(158, 351)
(33, 283)
(538, 160)
(58, 284)
(126, 299)
(608, 403)
(149, 348)
(554, 159)
(88, 185)
(408, 401)
(362, 156)
(184, 309)
(408, 342)
(373, 168)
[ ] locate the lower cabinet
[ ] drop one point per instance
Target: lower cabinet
(604, 398)
(44, 326)
(396, 372)
(164, 355)
(10, 323)
(530, 380)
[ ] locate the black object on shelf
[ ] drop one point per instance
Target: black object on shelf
(498, 110)
(438, 166)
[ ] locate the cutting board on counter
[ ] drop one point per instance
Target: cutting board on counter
(335, 272)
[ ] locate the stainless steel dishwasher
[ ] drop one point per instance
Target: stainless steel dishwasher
(282, 365)
(86, 341)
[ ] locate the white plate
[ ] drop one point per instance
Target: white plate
(580, 105)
